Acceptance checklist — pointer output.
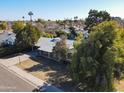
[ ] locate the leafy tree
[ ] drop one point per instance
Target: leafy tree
(26, 37)
(73, 33)
(60, 50)
(59, 33)
(78, 39)
(60, 22)
(3, 25)
(48, 35)
(96, 17)
(94, 62)
(41, 21)
(76, 19)
(17, 26)
(119, 20)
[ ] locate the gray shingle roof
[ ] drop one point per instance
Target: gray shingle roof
(47, 44)
(7, 36)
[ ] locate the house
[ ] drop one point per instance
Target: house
(66, 30)
(85, 34)
(7, 38)
(52, 25)
(46, 46)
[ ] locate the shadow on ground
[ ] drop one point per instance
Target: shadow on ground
(57, 72)
(58, 75)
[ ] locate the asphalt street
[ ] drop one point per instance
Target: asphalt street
(9, 82)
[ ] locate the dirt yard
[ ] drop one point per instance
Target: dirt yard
(50, 71)
(54, 73)
(119, 86)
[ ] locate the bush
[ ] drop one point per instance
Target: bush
(12, 50)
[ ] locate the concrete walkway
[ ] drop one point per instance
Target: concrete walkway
(27, 76)
(10, 64)
(14, 60)
(10, 82)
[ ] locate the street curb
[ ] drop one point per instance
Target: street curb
(19, 76)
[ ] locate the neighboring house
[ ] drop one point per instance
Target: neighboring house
(66, 30)
(7, 38)
(9, 27)
(46, 46)
(52, 25)
(85, 34)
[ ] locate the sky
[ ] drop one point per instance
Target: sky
(57, 9)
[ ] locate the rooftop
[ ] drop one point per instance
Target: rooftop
(7, 36)
(47, 44)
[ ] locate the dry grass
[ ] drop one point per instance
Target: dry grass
(37, 72)
(26, 64)
(49, 71)
(119, 86)
(45, 71)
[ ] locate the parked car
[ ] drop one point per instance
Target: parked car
(47, 88)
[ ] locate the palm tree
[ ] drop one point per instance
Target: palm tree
(30, 14)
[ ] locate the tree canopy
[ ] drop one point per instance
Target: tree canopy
(18, 25)
(3, 25)
(73, 33)
(26, 37)
(60, 49)
(93, 63)
(78, 39)
(96, 17)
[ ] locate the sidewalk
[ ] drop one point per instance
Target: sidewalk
(14, 60)
(27, 76)
(10, 65)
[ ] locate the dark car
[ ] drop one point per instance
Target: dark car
(47, 88)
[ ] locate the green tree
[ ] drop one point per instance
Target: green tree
(78, 39)
(27, 37)
(59, 33)
(96, 17)
(93, 63)
(73, 33)
(60, 49)
(3, 25)
(42, 21)
(17, 26)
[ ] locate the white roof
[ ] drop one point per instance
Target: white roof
(7, 36)
(66, 30)
(47, 44)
